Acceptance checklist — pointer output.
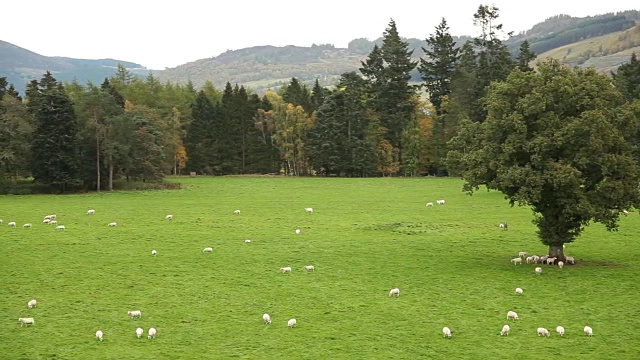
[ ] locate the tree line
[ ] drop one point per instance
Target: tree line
(375, 122)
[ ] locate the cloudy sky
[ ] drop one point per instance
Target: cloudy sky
(159, 34)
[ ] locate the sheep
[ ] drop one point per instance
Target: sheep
(429, 204)
(560, 264)
(394, 291)
(551, 260)
(522, 254)
(53, 222)
(516, 261)
(512, 315)
(236, 212)
(12, 224)
(168, 217)
(91, 212)
(266, 318)
(247, 241)
(588, 331)
(32, 303)
(543, 332)
(535, 258)
(529, 259)
(1, 221)
(292, 323)
(505, 330)
(309, 210)
(440, 202)
(135, 314)
(152, 333)
(53, 216)
(60, 227)
(26, 321)
(99, 335)
(519, 291)
(447, 332)
(27, 226)
(501, 226)
(46, 221)
(570, 260)
(286, 269)
(625, 213)
(538, 270)
(48, 217)
(560, 330)
(207, 250)
(139, 332)
(154, 253)
(112, 224)
(310, 268)
(544, 258)
(298, 231)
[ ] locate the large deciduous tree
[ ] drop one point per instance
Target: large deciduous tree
(560, 141)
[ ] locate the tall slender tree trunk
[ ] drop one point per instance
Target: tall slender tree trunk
(97, 163)
(110, 172)
(557, 251)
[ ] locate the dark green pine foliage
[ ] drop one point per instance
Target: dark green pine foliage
(201, 140)
(250, 147)
(118, 98)
(627, 78)
(297, 94)
(148, 162)
(54, 145)
(318, 94)
(440, 63)
(230, 135)
(525, 57)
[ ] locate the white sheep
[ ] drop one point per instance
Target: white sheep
(543, 332)
(429, 204)
(53, 222)
(588, 331)
(505, 330)
(12, 224)
(91, 212)
(538, 270)
(309, 210)
(53, 216)
(519, 291)
(207, 250)
(394, 291)
(298, 231)
(292, 323)
(237, 212)
(560, 330)
(27, 225)
(529, 259)
(551, 260)
(152, 333)
(570, 260)
(440, 202)
(168, 217)
(285, 269)
(310, 268)
(32, 303)
(154, 253)
(625, 213)
(512, 315)
(446, 331)
(26, 321)
(516, 261)
(1, 221)
(266, 318)
(502, 225)
(135, 314)
(99, 335)
(112, 224)
(560, 264)
(247, 241)
(139, 332)
(60, 227)
(522, 254)
(535, 258)
(46, 221)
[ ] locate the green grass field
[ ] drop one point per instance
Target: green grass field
(365, 237)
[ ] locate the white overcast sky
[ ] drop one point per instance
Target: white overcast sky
(167, 33)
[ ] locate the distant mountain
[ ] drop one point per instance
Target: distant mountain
(20, 66)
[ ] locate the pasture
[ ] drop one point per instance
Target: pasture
(366, 236)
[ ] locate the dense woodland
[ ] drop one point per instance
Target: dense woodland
(375, 122)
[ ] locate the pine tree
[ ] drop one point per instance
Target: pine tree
(525, 57)
(627, 78)
(318, 94)
(199, 142)
(297, 94)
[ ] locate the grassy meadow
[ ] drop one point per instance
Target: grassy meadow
(365, 237)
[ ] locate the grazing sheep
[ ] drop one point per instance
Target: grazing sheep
(560, 330)
(310, 268)
(32, 303)
(394, 291)
(286, 269)
(529, 259)
(544, 258)
(139, 332)
(440, 202)
(12, 224)
(538, 270)
(99, 335)
(560, 264)
(588, 331)
(516, 261)
(60, 227)
(625, 213)
(152, 333)
(501, 226)
(429, 204)
(168, 217)
(543, 332)
(53, 222)
(309, 210)
(298, 231)
(292, 323)
(522, 254)
(154, 253)
(26, 321)
(247, 241)
(535, 258)
(512, 315)
(112, 224)
(91, 212)
(519, 291)
(207, 250)
(446, 331)
(1, 221)
(551, 260)
(570, 260)
(46, 221)
(135, 314)
(27, 225)
(505, 330)
(53, 216)
(237, 212)
(266, 318)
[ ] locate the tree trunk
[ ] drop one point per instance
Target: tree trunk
(557, 251)
(98, 163)
(110, 176)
